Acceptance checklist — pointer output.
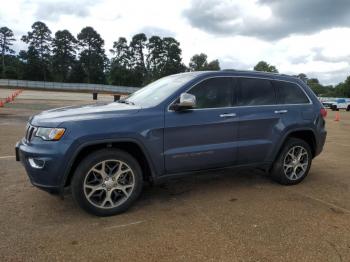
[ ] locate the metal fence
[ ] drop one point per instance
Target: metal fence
(75, 87)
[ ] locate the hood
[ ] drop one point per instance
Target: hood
(56, 116)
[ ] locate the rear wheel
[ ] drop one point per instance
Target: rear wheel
(293, 163)
(107, 182)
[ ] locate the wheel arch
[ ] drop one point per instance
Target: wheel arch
(131, 146)
(308, 135)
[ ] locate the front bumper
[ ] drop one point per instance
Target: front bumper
(47, 177)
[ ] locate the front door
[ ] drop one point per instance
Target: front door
(204, 137)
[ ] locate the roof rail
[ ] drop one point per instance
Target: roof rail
(262, 72)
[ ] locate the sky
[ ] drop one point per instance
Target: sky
(299, 36)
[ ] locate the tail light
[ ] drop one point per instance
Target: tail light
(323, 112)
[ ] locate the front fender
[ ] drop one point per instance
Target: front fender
(77, 149)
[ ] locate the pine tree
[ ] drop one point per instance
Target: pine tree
(92, 56)
(39, 40)
(63, 54)
(6, 39)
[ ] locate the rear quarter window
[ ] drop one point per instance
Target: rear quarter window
(290, 93)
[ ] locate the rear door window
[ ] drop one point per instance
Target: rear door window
(290, 93)
(254, 91)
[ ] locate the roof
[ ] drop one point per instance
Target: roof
(246, 73)
(250, 72)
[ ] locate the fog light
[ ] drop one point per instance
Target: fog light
(36, 163)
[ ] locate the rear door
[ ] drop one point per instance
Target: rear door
(296, 106)
(259, 120)
(204, 137)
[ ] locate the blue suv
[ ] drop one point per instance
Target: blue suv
(175, 126)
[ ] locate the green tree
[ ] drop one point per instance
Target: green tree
(265, 67)
(92, 57)
(31, 64)
(342, 89)
(39, 40)
(137, 47)
(121, 53)
(172, 61)
(199, 63)
(347, 87)
(303, 77)
(213, 65)
(77, 73)
(120, 71)
(13, 67)
(318, 88)
(63, 54)
(155, 58)
(6, 39)
(315, 85)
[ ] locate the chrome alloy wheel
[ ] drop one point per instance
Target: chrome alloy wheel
(296, 162)
(109, 183)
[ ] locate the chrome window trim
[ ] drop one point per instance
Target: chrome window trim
(239, 76)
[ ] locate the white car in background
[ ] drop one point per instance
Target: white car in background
(327, 103)
(341, 103)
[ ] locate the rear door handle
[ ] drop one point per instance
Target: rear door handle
(281, 111)
(228, 115)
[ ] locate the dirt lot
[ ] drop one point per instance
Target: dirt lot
(221, 216)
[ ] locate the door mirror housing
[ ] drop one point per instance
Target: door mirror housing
(187, 101)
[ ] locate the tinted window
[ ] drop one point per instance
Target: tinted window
(341, 101)
(256, 92)
(289, 93)
(213, 93)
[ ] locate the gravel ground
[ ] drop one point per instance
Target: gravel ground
(231, 215)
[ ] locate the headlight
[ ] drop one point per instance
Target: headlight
(50, 133)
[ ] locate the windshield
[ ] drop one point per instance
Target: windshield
(341, 101)
(156, 92)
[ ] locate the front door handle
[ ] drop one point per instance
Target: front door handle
(281, 111)
(228, 115)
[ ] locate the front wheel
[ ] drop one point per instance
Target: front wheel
(107, 182)
(293, 163)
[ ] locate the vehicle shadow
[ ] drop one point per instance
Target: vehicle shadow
(201, 183)
(208, 182)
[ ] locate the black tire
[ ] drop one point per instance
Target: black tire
(334, 108)
(348, 108)
(84, 168)
(277, 172)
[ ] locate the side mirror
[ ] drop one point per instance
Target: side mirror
(187, 101)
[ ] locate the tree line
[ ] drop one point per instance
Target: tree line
(340, 90)
(82, 59)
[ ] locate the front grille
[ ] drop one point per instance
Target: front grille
(30, 132)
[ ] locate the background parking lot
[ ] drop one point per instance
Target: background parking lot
(223, 215)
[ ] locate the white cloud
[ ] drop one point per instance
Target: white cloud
(323, 52)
